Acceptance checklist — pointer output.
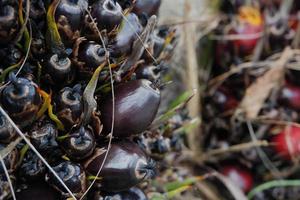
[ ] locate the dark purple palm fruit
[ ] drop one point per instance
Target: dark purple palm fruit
(92, 54)
(32, 168)
(7, 131)
(80, 143)
(70, 16)
(146, 7)
(126, 3)
(107, 13)
(69, 105)
(72, 175)
(127, 34)
(60, 70)
(73, 11)
(8, 23)
(149, 72)
(126, 166)
(10, 55)
(21, 100)
(38, 191)
(43, 136)
(11, 160)
(136, 104)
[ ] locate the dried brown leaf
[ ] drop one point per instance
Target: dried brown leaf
(259, 91)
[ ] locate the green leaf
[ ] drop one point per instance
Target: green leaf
(273, 184)
(158, 196)
(179, 184)
(176, 192)
(188, 127)
(178, 103)
(180, 99)
(53, 36)
(89, 102)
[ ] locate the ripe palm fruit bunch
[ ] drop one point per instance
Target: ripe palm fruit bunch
(79, 80)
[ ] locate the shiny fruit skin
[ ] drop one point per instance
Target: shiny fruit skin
(21, 100)
(69, 105)
(148, 7)
(126, 166)
(73, 11)
(59, 69)
(127, 34)
(107, 14)
(136, 104)
(92, 54)
(241, 177)
(287, 142)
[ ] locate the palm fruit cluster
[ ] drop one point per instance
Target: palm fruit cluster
(80, 79)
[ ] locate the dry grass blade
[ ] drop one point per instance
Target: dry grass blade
(234, 189)
(264, 158)
(8, 178)
(138, 36)
(4, 152)
(22, 135)
(260, 90)
(138, 48)
(235, 148)
(192, 79)
(27, 51)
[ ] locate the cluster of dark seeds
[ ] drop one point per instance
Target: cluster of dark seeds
(80, 79)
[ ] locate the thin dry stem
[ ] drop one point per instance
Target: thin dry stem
(192, 82)
(8, 178)
(235, 148)
(264, 158)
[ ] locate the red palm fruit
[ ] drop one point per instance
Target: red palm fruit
(287, 142)
(290, 95)
(241, 177)
(224, 100)
(249, 27)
